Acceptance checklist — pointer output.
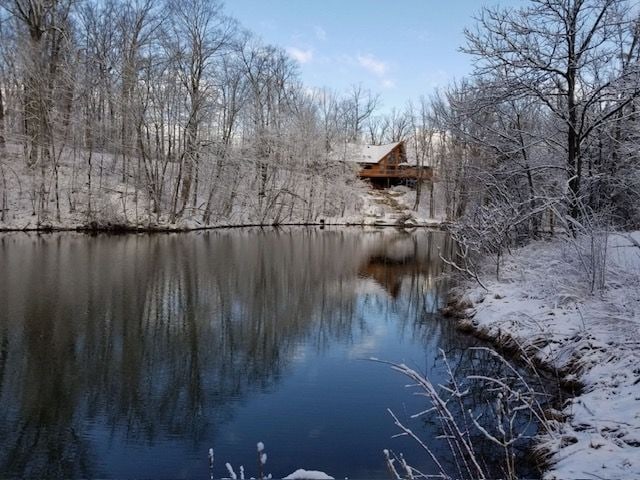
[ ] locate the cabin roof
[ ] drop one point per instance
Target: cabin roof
(368, 153)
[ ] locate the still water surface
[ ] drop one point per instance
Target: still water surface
(131, 356)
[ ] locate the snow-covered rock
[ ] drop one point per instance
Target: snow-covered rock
(301, 474)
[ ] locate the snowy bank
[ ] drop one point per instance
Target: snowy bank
(543, 304)
(393, 207)
(97, 196)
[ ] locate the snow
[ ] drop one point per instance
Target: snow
(368, 153)
(301, 474)
(119, 204)
(544, 302)
(232, 474)
(115, 202)
(394, 207)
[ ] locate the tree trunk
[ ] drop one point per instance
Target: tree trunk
(574, 160)
(189, 162)
(2, 134)
(2, 139)
(31, 124)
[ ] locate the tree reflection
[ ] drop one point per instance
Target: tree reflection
(162, 335)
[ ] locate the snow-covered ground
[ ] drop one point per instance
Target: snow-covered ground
(395, 206)
(110, 201)
(114, 203)
(545, 303)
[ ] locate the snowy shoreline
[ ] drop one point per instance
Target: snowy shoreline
(376, 211)
(541, 307)
(123, 229)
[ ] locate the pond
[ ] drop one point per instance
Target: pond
(132, 356)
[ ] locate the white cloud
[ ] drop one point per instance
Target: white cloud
(321, 33)
(372, 64)
(302, 56)
(375, 66)
(388, 83)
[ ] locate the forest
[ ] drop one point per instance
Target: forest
(145, 112)
(148, 113)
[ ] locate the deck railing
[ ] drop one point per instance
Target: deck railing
(410, 172)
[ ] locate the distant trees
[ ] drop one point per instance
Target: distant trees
(2, 140)
(168, 111)
(357, 109)
(424, 140)
(4, 40)
(42, 27)
(198, 33)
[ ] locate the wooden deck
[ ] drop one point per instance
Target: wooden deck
(396, 173)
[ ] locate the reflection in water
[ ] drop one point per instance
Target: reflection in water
(132, 355)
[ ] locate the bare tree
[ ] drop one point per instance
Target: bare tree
(43, 21)
(200, 31)
(138, 112)
(357, 108)
(378, 128)
(423, 137)
(562, 53)
(4, 40)
(399, 125)
(2, 134)
(3, 81)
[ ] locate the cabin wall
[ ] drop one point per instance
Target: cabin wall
(387, 166)
(389, 172)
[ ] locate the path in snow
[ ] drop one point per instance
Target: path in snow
(394, 207)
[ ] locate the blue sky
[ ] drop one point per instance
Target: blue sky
(399, 48)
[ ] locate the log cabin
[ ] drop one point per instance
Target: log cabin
(386, 165)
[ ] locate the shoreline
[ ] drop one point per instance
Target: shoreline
(539, 313)
(378, 208)
(461, 312)
(132, 229)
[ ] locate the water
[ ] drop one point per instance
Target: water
(131, 356)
